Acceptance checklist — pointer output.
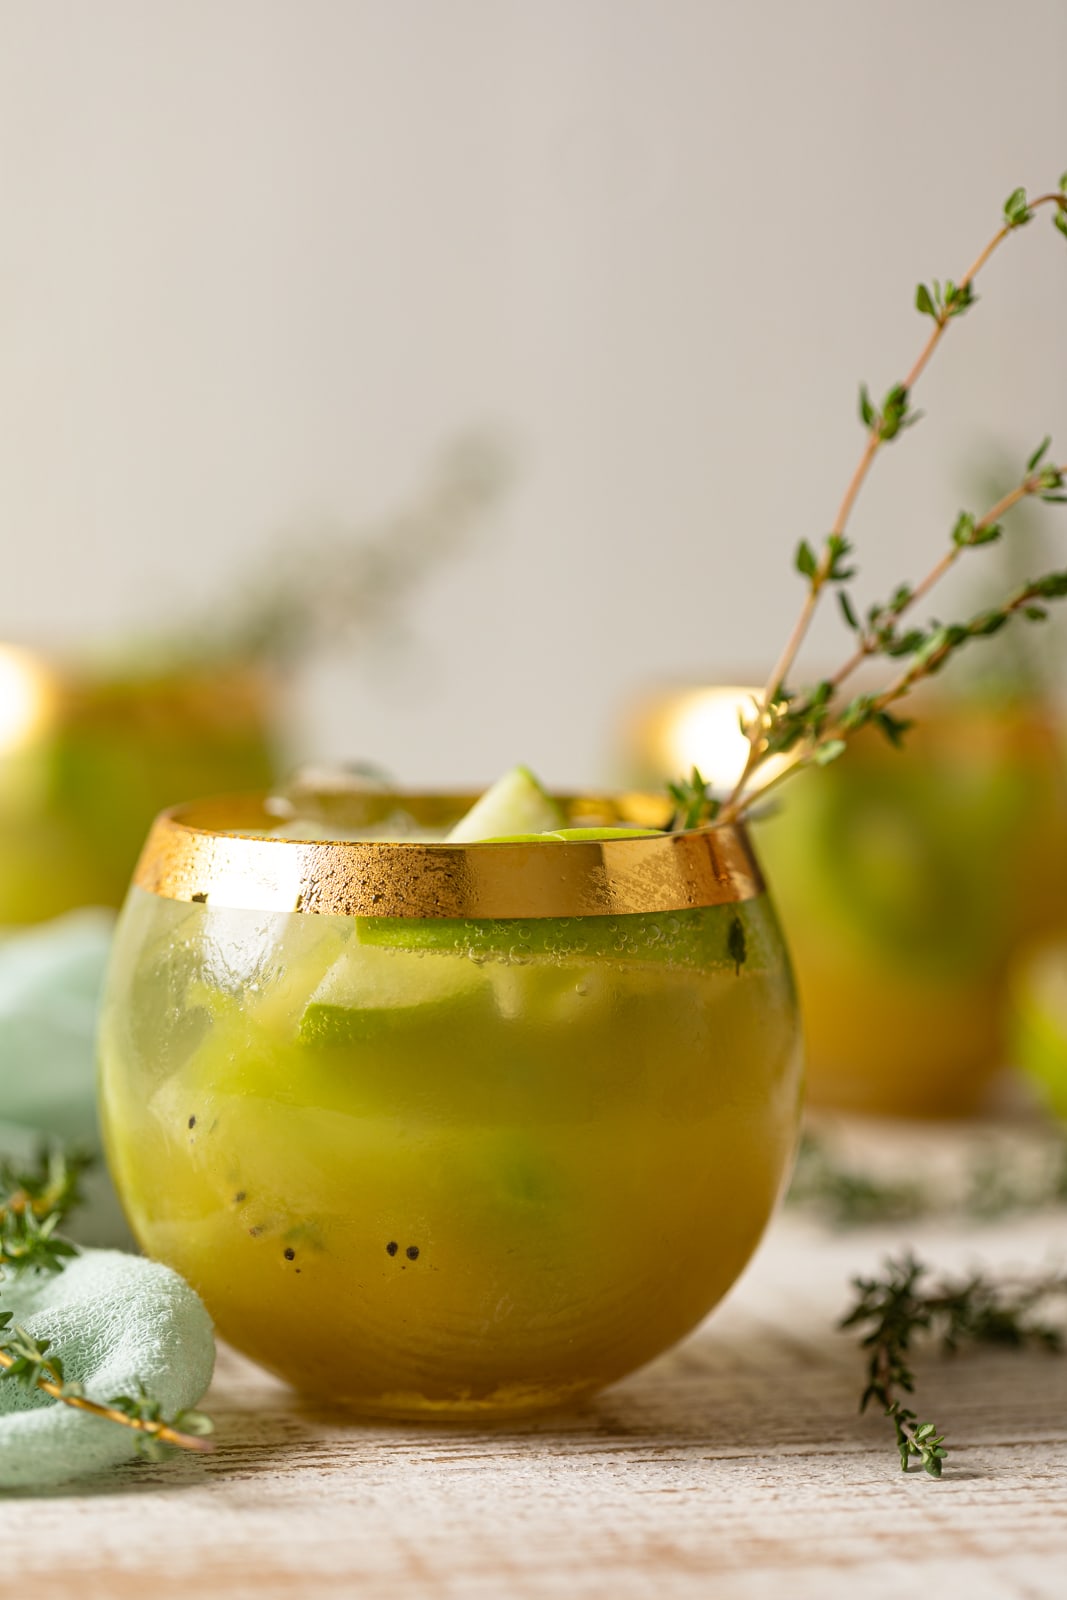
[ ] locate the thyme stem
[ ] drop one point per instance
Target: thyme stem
(1030, 485)
(50, 1381)
(775, 728)
(875, 437)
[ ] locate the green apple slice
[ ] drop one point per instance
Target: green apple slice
(370, 990)
(515, 804)
(705, 937)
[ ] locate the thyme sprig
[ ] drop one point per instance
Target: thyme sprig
(905, 1305)
(34, 1200)
(27, 1361)
(812, 726)
(693, 799)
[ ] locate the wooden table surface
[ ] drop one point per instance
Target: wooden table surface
(736, 1465)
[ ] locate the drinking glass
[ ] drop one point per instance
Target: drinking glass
(455, 1130)
(89, 754)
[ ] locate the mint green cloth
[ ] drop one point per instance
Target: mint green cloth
(113, 1318)
(51, 977)
(50, 982)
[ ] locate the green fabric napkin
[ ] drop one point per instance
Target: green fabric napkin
(50, 982)
(114, 1319)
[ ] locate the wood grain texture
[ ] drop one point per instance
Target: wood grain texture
(735, 1466)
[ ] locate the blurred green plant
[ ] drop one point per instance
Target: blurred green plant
(845, 1193)
(317, 589)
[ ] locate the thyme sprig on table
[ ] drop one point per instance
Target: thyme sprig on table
(905, 1305)
(34, 1200)
(812, 726)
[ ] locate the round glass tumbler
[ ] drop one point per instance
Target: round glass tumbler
(444, 1129)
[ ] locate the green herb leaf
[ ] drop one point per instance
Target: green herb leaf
(1039, 453)
(847, 612)
(838, 549)
(958, 298)
(868, 415)
(1016, 210)
(805, 560)
(694, 804)
(964, 529)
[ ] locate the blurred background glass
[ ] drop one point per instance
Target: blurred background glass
(912, 884)
(87, 758)
(923, 889)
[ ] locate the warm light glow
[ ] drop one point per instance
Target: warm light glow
(703, 731)
(26, 696)
(700, 728)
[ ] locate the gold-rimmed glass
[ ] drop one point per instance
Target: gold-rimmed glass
(438, 1129)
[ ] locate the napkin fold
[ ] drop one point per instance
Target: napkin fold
(113, 1319)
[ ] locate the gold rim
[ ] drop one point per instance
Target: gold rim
(214, 852)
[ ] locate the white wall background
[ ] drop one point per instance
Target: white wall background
(259, 258)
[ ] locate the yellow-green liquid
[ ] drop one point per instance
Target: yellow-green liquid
(464, 1168)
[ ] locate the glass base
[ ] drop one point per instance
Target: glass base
(506, 1405)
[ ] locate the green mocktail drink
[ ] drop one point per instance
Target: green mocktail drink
(452, 1164)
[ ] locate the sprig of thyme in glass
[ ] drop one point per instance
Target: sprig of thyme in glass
(692, 798)
(812, 726)
(34, 1200)
(905, 1305)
